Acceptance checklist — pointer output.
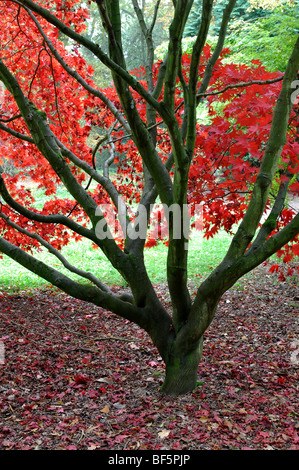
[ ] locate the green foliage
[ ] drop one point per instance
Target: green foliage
(193, 22)
(253, 32)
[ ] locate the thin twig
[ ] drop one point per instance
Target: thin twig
(115, 338)
(11, 118)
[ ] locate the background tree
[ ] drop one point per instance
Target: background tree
(50, 108)
(255, 30)
(134, 42)
(244, 10)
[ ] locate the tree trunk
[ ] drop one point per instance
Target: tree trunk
(181, 371)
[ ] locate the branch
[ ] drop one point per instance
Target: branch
(84, 292)
(141, 136)
(46, 142)
(193, 75)
(94, 175)
(270, 223)
(176, 29)
(219, 46)
(16, 134)
(48, 219)
(160, 78)
(154, 17)
(11, 119)
(147, 33)
(103, 180)
(272, 245)
(110, 159)
(199, 43)
(240, 85)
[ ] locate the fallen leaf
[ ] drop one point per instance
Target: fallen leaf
(164, 433)
(203, 419)
(106, 409)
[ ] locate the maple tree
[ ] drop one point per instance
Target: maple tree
(238, 164)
